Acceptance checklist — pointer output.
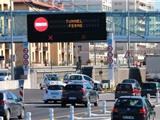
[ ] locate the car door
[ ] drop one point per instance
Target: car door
(18, 103)
(12, 104)
(91, 94)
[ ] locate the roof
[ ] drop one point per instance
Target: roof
(39, 4)
(136, 97)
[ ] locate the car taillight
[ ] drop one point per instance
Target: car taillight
(143, 111)
(2, 102)
(114, 110)
(82, 90)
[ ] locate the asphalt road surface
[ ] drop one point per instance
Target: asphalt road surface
(40, 111)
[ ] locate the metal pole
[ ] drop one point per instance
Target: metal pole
(94, 53)
(128, 59)
(11, 35)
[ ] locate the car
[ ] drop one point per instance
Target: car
(127, 89)
(132, 81)
(150, 88)
(98, 86)
(49, 79)
(82, 77)
(79, 92)
(53, 93)
(66, 77)
(133, 108)
(11, 106)
(5, 74)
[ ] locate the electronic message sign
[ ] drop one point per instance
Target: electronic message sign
(66, 27)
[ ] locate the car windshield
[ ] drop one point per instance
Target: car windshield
(75, 77)
(129, 102)
(73, 87)
(55, 87)
(124, 87)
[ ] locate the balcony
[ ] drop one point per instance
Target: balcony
(45, 48)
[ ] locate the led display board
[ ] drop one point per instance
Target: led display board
(66, 27)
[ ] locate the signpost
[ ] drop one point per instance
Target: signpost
(25, 58)
(110, 57)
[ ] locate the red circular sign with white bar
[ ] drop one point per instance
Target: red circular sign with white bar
(41, 24)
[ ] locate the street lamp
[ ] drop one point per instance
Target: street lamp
(11, 35)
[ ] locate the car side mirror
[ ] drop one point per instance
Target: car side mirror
(153, 106)
(19, 99)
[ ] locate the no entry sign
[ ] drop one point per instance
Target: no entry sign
(41, 24)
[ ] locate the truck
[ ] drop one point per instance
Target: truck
(152, 63)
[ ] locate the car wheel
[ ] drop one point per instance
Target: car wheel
(22, 114)
(7, 115)
(96, 103)
(46, 101)
(85, 104)
(63, 104)
(41, 87)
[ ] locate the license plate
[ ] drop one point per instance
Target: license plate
(128, 117)
(72, 98)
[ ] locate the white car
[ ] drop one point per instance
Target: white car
(49, 79)
(5, 75)
(53, 93)
(82, 77)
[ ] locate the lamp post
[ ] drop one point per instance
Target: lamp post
(11, 35)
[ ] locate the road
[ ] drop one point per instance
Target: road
(40, 111)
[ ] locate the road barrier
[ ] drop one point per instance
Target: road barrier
(28, 116)
(104, 107)
(51, 114)
(1, 118)
(89, 109)
(157, 97)
(71, 113)
(149, 97)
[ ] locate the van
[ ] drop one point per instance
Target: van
(127, 89)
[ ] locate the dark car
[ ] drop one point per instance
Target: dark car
(150, 88)
(11, 106)
(80, 92)
(127, 89)
(133, 108)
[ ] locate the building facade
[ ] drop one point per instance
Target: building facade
(41, 54)
(87, 52)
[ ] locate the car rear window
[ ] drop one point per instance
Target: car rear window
(124, 87)
(149, 86)
(55, 87)
(75, 77)
(53, 78)
(73, 87)
(129, 102)
(1, 96)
